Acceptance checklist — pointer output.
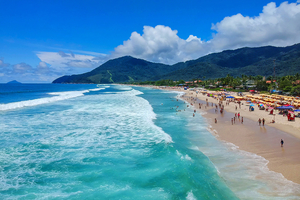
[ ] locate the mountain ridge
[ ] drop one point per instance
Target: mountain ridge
(246, 60)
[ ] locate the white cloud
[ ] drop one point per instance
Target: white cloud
(158, 44)
(69, 63)
(42, 65)
(22, 68)
(2, 64)
(277, 26)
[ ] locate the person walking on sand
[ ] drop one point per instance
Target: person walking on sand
(231, 121)
(259, 121)
(242, 119)
(215, 120)
(281, 142)
(263, 121)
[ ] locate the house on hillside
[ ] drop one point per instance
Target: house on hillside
(297, 82)
(250, 84)
(269, 82)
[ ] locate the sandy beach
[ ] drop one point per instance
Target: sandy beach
(249, 136)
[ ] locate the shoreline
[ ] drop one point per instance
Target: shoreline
(248, 136)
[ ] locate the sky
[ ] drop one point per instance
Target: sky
(43, 40)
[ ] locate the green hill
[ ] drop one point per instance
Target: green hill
(118, 70)
(248, 61)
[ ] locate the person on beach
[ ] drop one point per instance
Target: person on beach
(215, 120)
(234, 120)
(281, 142)
(259, 121)
(193, 114)
(242, 120)
(263, 121)
(231, 121)
(239, 115)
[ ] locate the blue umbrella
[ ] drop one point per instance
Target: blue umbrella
(252, 104)
(285, 107)
(297, 110)
(230, 97)
(248, 101)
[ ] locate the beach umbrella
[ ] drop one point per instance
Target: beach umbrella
(297, 110)
(230, 97)
(270, 108)
(285, 107)
(252, 104)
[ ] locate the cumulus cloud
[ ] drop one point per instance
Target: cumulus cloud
(60, 60)
(277, 26)
(2, 64)
(158, 44)
(22, 68)
(67, 64)
(24, 72)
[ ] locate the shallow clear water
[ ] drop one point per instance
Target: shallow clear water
(119, 142)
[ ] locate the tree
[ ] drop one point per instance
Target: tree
(287, 88)
(284, 82)
(181, 82)
(261, 86)
(296, 90)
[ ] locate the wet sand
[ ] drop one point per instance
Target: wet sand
(261, 140)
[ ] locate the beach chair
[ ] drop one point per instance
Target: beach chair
(271, 112)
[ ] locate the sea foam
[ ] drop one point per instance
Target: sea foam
(58, 96)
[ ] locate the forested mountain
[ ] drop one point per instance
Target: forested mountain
(248, 61)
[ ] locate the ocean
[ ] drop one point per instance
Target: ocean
(86, 141)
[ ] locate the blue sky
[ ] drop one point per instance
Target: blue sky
(43, 40)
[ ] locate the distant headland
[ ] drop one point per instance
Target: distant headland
(14, 82)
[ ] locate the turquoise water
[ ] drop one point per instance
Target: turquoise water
(120, 142)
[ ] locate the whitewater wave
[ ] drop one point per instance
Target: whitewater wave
(58, 96)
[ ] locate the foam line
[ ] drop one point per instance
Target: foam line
(58, 97)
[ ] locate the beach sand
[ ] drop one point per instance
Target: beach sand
(249, 136)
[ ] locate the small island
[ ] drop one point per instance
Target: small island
(14, 82)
